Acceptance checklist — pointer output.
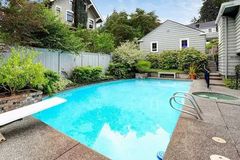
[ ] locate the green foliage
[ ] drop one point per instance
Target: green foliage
(231, 83)
(154, 59)
(190, 56)
(86, 74)
(80, 14)
(19, 71)
(125, 27)
(143, 66)
(210, 9)
(213, 43)
(96, 41)
(237, 69)
(118, 70)
(54, 82)
(169, 59)
(32, 24)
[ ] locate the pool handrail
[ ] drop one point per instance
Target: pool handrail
(196, 115)
(191, 96)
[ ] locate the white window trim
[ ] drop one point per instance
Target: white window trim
(59, 8)
(152, 48)
(180, 42)
(94, 25)
(66, 16)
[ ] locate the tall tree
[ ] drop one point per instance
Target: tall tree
(143, 22)
(210, 9)
(80, 13)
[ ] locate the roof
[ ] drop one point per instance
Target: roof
(205, 25)
(173, 22)
(228, 9)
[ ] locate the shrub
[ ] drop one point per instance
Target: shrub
(54, 82)
(19, 71)
(143, 66)
(232, 83)
(190, 56)
(154, 59)
(118, 70)
(86, 74)
(168, 59)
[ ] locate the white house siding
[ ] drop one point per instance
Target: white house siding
(92, 17)
(168, 36)
(221, 55)
(229, 44)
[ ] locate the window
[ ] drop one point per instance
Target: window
(154, 46)
(184, 43)
(90, 24)
(58, 10)
(69, 16)
(210, 30)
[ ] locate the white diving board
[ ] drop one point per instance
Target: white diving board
(11, 116)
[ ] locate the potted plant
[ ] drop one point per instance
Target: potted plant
(192, 71)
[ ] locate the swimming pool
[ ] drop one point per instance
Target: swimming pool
(123, 120)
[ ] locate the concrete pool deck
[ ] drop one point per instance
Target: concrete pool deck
(31, 139)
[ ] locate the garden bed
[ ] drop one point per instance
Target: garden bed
(22, 98)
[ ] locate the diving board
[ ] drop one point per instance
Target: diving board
(11, 116)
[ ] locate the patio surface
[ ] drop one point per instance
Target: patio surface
(31, 139)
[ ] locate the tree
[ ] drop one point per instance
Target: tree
(125, 27)
(143, 22)
(210, 9)
(119, 26)
(80, 14)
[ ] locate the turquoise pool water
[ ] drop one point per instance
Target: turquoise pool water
(123, 120)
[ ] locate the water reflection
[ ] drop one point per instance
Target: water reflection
(123, 147)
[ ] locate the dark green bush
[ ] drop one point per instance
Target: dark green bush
(190, 56)
(143, 66)
(118, 70)
(87, 74)
(154, 59)
(231, 83)
(169, 59)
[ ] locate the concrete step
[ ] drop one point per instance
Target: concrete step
(215, 74)
(217, 82)
(215, 78)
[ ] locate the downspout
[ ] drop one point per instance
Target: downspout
(226, 47)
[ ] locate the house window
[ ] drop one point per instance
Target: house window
(58, 10)
(154, 46)
(69, 16)
(184, 43)
(90, 24)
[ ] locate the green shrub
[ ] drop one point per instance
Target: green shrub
(19, 71)
(118, 70)
(86, 74)
(231, 83)
(54, 82)
(169, 59)
(190, 56)
(143, 66)
(154, 59)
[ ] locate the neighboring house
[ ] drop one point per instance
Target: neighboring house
(210, 28)
(228, 22)
(171, 35)
(63, 8)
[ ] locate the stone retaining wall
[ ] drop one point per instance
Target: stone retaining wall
(27, 97)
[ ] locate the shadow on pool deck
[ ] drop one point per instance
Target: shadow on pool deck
(192, 139)
(31, 139)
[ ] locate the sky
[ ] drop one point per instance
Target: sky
(181, 11)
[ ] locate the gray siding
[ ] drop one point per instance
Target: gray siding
(168, 36)
(229, 44)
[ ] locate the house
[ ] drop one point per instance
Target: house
(228, 21)
(172, 35)
(210, 28)
(64, 9)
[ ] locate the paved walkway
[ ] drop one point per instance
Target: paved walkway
(192, 139)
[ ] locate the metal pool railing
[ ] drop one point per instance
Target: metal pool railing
(193, 104)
